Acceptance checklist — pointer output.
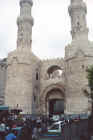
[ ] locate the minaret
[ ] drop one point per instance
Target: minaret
(77, 11)
(25, 22)
(77, 58)
(21, 63)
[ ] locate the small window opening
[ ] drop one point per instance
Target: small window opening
(36, 75)
(34, 98)
(78, 23)
(82, 66)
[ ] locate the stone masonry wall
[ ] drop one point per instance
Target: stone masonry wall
(3, 70)
(76, 80)
(19, 88)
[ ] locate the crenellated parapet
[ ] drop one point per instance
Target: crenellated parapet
(56, 61)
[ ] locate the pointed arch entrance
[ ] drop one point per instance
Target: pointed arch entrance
(53, 100)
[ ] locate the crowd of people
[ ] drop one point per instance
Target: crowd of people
(21, 129)
(31, 128)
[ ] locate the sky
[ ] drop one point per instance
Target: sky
(51, 30)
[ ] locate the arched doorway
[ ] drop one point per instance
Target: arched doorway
(56, 106)
(54, 102)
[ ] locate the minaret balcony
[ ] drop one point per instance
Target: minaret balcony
(75, 7)
(22, 19)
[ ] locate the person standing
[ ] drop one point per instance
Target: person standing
(11, 136)
(2, 129)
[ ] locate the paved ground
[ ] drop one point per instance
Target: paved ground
(51, 137)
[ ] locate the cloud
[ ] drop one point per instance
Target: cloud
(50, 28)
(51, 31)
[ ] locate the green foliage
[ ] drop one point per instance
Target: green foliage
(90, 83)
(90, 77)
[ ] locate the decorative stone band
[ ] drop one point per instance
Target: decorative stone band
(25, 19)
(82, 30)
(26, 1)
